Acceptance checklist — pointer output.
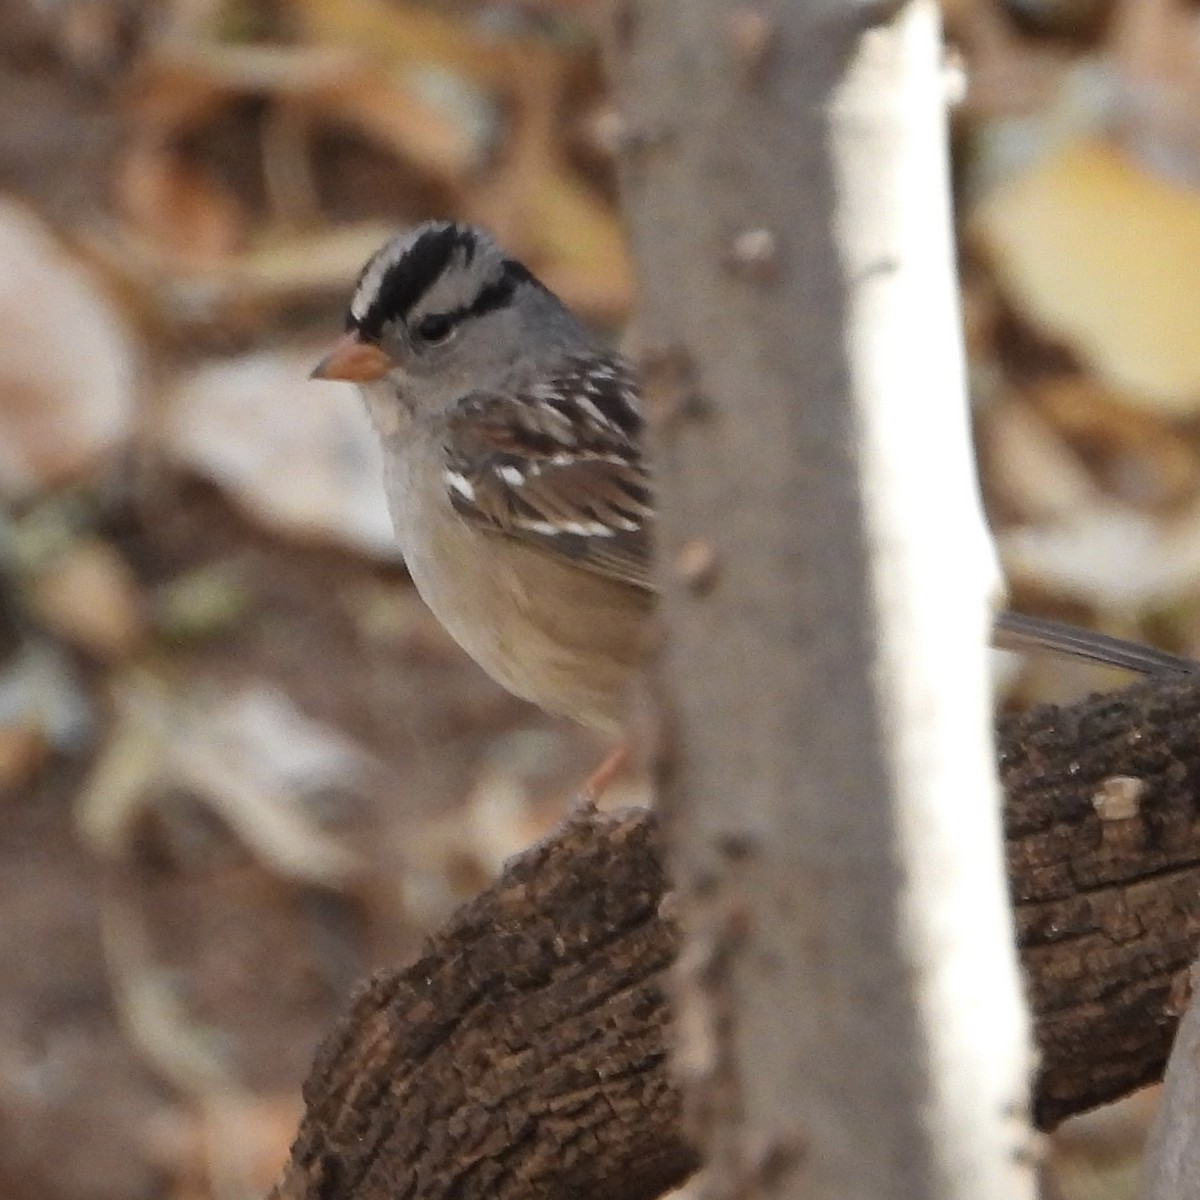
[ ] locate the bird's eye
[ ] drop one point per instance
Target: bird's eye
(435, 328)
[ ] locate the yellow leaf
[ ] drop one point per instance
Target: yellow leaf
(1103, 254)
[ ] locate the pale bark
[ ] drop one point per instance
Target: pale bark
(849, 1010)
(1171, 1168)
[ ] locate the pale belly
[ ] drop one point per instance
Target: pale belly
(552, 633)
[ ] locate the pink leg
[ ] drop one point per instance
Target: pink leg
(610, 767)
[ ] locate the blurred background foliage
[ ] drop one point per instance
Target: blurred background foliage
(239, 763)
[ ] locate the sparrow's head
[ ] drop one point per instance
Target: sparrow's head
(441, 311)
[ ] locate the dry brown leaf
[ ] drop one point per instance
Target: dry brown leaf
(68, 367)
(1140, 458)
(538, 204)
(580, 242)
(400, 33)
(89, 597)
(1007, 74)
(279, 270)
(274, 271)
(1103, 256)
(1109, 555)
(23, 750)
(168, 96)
(189, 84)
(178, 205)
(1029, 466)
(542, 203)
(299, 455)
(250, 755)
(390, 113)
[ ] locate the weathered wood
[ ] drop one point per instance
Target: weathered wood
(1103, 834)
(524, 1056)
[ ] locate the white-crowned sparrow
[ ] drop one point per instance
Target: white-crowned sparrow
(516, 478)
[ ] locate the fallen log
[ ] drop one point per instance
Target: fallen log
(526, 1053)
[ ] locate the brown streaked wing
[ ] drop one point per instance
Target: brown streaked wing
(559, 466)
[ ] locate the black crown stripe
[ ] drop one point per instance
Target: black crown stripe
(407, 280)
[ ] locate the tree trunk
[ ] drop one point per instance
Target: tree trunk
(849, 1012)
(1171, 1166)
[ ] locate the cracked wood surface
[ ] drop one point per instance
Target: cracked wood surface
(1102, 827)
(525, 1054)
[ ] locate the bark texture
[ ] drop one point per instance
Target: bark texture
(1103, 839)
(524, 1056)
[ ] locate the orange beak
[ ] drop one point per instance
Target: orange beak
(354, 360)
